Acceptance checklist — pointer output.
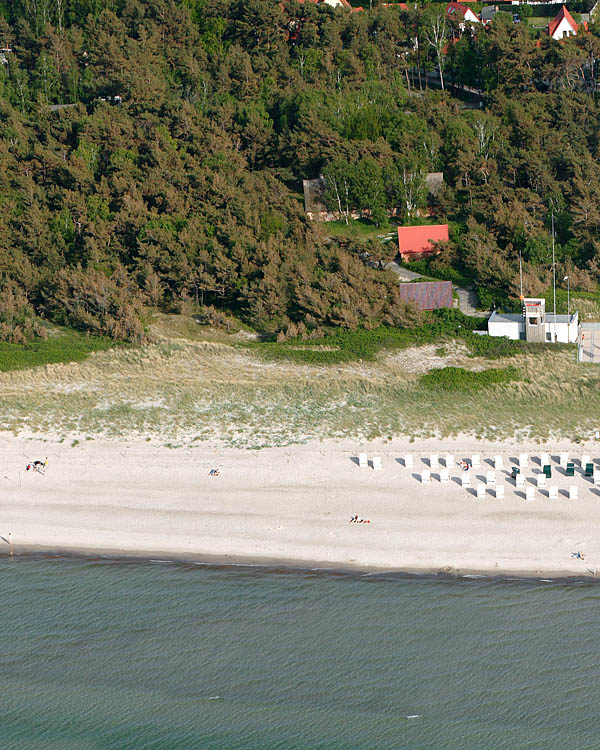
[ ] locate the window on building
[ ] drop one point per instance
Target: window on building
(532, 321)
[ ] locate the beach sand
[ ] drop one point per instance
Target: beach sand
(292, 506)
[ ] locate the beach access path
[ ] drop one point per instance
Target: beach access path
(292, 505)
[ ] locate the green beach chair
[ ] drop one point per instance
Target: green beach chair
(548, 471)
(589, 470)
(515, 471)
(570, 470)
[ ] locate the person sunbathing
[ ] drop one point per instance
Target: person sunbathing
(38, 466)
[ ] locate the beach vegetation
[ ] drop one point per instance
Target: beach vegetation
(460, 379)
(59, 346)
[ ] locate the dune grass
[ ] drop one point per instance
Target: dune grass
(187, 391)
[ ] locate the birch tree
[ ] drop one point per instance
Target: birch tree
(436, 34)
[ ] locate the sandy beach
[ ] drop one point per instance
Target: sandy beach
(292, 506)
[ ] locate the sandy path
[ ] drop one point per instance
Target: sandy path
(292, 505)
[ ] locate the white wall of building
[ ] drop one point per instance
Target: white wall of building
(509, 328)
(563, 29)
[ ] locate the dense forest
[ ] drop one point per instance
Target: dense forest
(173, 179)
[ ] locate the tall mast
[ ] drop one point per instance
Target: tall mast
(554, 278)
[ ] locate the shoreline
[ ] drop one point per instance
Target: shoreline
(299, 567)
(289, 508)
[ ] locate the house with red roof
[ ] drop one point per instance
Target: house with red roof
(332, 3)
(415, 242)
(563, 25)
(462, 13)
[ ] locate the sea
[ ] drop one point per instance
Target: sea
(157, 654)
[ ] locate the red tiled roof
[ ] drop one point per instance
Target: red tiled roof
(420, 239)
(345, 3)
(457, 8)
(562, 13)
(428, 295)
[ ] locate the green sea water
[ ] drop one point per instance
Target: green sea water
(106, 654)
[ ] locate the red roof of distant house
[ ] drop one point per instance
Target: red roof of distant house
(428, 295)
(344, 3)
(457, 8)
(562, 13)
(415, 240)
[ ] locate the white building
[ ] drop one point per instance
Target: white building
(563, 25)
(535, 324)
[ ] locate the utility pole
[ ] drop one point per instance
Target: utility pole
(521, 271)
(554, 278)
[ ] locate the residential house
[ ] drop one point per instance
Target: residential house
(462, 13)
(415, 242)
(427, 295)
(563, 25)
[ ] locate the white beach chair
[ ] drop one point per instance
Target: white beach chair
(596, 478)
(545, 459)
(490, 477)
(585, 459)
(481, 490)
(449, 460)
(553, 492)
(476, 460)
(408, 460)
(541, 480)
(564, 459)
(523, 460)
(520, 481)
(434, 461)
(425, 476)
(498, 462)
(465, 479)
(444, 476)
(573, 492)
(362, 460)
(377, 463)
(530, 494)
(500, 492)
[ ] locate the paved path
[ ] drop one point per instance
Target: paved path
(467, 301)
(403, 273)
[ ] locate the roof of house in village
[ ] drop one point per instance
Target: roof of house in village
(427, 295)
(421, 239)
(453, 8)
(563, 13)
(332, 3)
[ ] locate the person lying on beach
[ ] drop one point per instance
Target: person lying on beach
(214, 472)
(358, 519)
(578, 555)
(39, 466)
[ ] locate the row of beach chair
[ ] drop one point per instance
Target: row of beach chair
(434, 462)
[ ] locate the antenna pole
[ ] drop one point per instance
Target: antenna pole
(521, 272)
